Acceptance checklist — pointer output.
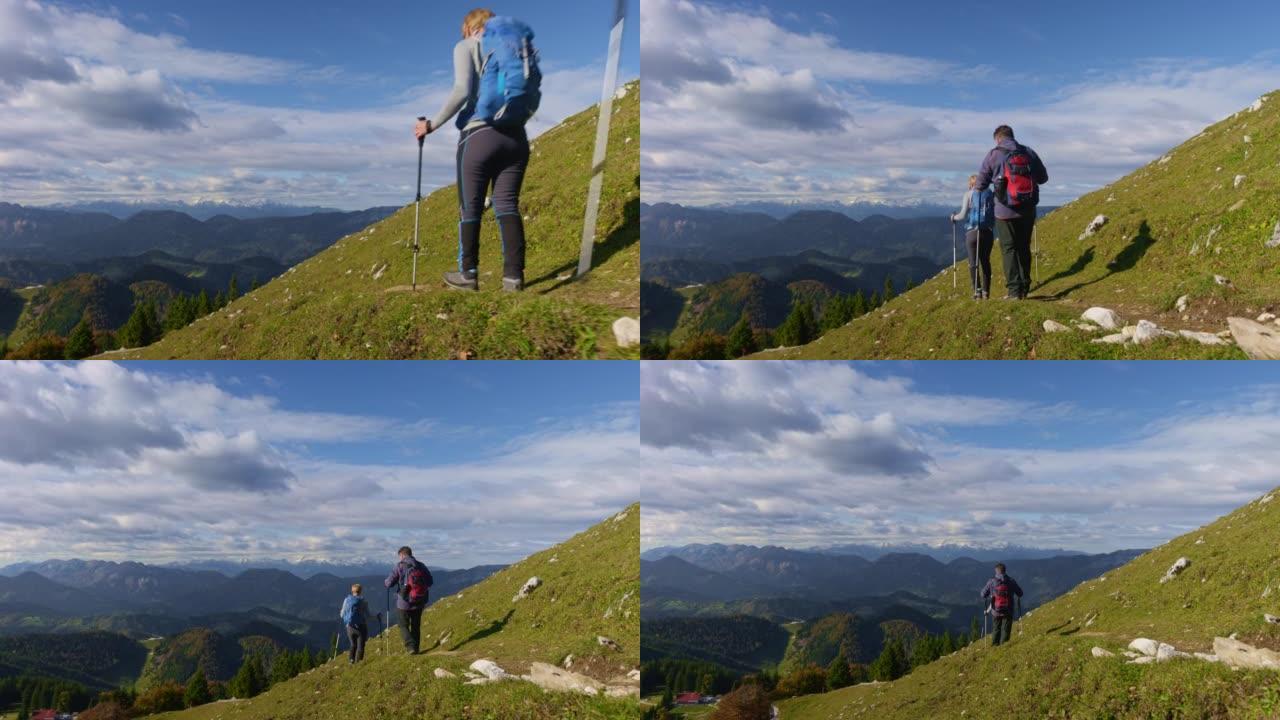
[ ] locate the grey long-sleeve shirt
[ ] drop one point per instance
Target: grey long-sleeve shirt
(467, 65)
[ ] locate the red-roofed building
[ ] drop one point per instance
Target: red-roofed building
(44, 715)
(684, 698)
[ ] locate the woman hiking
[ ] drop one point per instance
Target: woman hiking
(496, 89)
(977, 212)
(355, 617)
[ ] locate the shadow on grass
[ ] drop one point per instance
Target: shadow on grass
(494, 627)
(624, 236)
(1126, 259)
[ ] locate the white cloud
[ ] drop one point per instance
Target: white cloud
(741, 109)
(91, 109)
(876, 460)
(103, 461)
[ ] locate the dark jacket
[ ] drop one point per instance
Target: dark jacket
(989, 590)
(396, 578)
(993, 165)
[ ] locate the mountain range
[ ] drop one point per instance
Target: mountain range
(200, 209)
(943, 552)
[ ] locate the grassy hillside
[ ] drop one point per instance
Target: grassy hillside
(590, 588)
(1172, 227)
(57, 308)
(1048, 671)
(176, 658)
(353, 299)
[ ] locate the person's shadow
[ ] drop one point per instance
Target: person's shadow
(494, 627)
(624, 236)
(1126, 259)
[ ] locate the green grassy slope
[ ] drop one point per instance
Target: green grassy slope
(1048, 670)
(353, 299)
(58, 307)
(591, 587)
(1174, 225)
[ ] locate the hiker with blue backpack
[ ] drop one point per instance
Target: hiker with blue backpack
(496, 90)
(1002, 593)
(1016, 173)
(412, 582)
(355, 618)
(977, 211)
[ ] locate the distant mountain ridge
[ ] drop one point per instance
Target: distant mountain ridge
(200, 210)
(944, 552)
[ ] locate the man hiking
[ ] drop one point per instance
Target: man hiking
(496, 90)
(412, 581)
(1001, 591)
(1017, 174)
(355, 616)
(977, 212)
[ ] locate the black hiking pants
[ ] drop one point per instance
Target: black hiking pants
(411, 629)
(497, 158)
(979, 241)
(358, 635)
(1015, 245)
(1002, 626)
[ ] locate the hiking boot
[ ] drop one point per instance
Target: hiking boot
(512, 285)
(461, 281)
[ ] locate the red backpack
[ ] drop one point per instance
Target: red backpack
(1002, 597)
(415, 583)
(1015, 188)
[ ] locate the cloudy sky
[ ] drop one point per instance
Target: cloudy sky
(298, 102)
(1088, 456)
(156, 462)
(820, 100)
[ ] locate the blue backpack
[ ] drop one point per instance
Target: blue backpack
(350, 614)
(981, 209)
(510, 81)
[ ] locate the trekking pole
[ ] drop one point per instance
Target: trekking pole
(417, 206)
(953, 255)
(387, 623)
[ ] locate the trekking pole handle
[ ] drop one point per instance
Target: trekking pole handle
(422, 118)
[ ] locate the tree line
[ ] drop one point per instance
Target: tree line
(750, 697)
(807, 321)
(149, 321)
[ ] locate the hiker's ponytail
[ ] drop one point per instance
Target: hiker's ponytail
(475, 20)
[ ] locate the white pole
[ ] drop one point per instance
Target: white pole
(602, 138)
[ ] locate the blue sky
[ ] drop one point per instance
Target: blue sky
(241, 101)
(1091, 456)
(480, 462)
(818, 101)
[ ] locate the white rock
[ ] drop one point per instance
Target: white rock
(622, 92)
(1207, 657)
(568, 661)
(1114, 339)
(529, 586)
(1146, 646)
(1221, 280)
(1054, 326)
(1128, 331)
(1242, 655)
(1266, 317)
(1203, 338)
(1275, 237)
(1102, 317)
(1177, 567)
(1086, 327)
(442, 673)
(608, 642)
(1142, 660)
(1238, 181)
(1257, 104)
(1258, 341)
(1094, 226)
(1167, 652)
(550, 677)
(1248, 139)
(1131, 654)
(1182, 303)
(1148, 331)
(490, 670)
(1099, 652)
(626, 331)
(1271, 618)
